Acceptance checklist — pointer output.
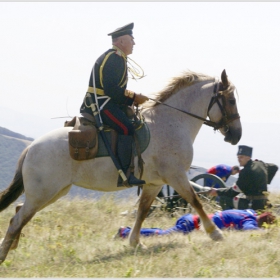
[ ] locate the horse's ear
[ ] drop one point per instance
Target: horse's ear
(224, 79)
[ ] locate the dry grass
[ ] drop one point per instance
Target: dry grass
(74, 239)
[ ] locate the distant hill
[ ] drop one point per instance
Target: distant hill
(7, 132)
(11, 146)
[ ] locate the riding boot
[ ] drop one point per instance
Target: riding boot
(114, 147)
(125, 155)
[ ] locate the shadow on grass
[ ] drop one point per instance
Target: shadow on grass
(130, 251)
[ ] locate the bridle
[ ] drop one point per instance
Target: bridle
(217, 94)
(223, 123)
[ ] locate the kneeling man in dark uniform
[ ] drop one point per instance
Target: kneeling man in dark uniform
(250, 189)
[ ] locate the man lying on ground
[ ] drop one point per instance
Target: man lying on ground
(228, 219)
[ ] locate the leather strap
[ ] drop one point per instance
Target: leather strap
(255, 197)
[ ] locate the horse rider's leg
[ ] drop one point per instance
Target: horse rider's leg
(21, 218)
(147, 197)
(187, 192)
(15, 243)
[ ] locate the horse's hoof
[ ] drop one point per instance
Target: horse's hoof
(14, 245)
(216, 235)
(142, 246)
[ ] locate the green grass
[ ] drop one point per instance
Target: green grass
(73, 238)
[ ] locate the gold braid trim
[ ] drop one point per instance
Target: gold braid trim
(135, 69)
(122, 54)
(102, 66)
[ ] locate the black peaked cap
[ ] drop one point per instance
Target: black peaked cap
(125, 30)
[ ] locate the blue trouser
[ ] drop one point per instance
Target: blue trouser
(184, 224)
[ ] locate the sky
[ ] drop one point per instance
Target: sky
(48, 50)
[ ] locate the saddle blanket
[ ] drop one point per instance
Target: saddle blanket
(143, 135)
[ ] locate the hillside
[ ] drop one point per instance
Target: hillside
(11, 146)
(7, 132)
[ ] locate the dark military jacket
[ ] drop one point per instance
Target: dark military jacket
(252, 181)
(111, 77)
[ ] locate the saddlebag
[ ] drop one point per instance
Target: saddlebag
(83, 142)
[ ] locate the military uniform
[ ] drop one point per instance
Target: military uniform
(252, 183)
(109, 82)
(110, 72)
(221, 170)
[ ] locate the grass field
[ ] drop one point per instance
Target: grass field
(74, 238)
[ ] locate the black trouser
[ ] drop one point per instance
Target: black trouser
(242, 203)
(226, 202)
(116, 118)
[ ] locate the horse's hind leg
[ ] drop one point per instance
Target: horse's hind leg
(24, 214)
(16, 240)
(21, 218)
(147, 197)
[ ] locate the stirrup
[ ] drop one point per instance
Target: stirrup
(132, 181)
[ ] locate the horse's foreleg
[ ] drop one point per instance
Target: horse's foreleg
(189, 195)
(13, 233)
(147, 197)
(214, 232)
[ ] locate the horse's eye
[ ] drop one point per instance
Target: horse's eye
(232, 102)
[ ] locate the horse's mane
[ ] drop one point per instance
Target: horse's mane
(187, 78)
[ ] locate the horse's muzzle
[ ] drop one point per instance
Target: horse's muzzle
(233, 136)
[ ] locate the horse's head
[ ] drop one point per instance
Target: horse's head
(223, 110)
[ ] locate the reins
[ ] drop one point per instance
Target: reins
(215, 99)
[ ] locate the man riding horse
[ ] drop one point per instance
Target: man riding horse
(108, 81)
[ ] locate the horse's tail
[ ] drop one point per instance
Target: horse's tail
(16, 187)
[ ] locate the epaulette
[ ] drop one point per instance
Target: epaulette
(118, 52)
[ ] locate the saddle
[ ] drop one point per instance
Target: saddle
(84, 142)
